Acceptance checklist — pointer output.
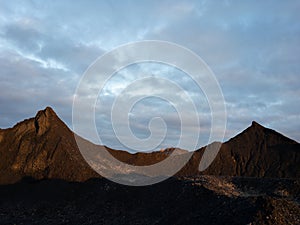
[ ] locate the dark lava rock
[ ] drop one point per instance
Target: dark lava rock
(185, 201)
(44, 147)
(256, 152)
(41, 147)
(45, 180)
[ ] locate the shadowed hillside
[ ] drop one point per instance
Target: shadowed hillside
(44, 147)
(45, 180)
(256, 152)
(202, 200)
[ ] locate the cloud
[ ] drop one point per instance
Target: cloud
(253, 48)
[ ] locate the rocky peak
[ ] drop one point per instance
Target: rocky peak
(41, 147)
(271, 137)
(48, 111)
(256, 125)
(44, 147)
(43, 119)
(256, 128)
(251, 134)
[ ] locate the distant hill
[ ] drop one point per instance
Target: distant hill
(44, 147)
(41, 147)
(256, 152)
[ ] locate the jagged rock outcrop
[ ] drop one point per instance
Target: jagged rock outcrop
(256, 152)
(41, 147)
(44, 147)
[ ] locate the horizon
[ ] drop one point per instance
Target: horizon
(45, 48)
(157, 150)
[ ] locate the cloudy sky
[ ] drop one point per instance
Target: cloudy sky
(253, 48)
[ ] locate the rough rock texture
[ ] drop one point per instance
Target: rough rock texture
(44, 147)
(201, 200)
(37, 152)
(256, 152)
(41, 147)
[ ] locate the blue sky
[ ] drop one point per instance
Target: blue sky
(253, 47)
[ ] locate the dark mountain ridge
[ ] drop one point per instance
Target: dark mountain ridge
(43, 147)
(255, 152)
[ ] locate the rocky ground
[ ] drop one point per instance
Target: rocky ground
(43, 147)
(68, 191)
(189, 200)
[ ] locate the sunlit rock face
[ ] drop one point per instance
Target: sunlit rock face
(41, 147)
(44, 147)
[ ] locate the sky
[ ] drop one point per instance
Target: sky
(253, 48)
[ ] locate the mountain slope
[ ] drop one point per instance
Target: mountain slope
(41, 147)
(256, 152)
(44, 147)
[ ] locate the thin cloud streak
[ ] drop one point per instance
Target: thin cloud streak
(253, 48)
